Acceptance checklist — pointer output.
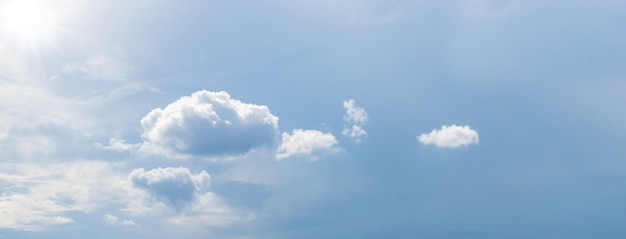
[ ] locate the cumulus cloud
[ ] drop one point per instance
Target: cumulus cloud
(175, 186)
(452, 136)
(306, 143)
(208, 124)
(354, 118)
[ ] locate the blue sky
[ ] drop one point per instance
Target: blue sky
(312, 119)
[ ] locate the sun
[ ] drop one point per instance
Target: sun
(28, 23)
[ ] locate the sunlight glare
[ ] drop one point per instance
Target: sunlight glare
(28, 22)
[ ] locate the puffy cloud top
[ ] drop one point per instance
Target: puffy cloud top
(452, 136)
(306, 143)
(172, 185)
(209, 124)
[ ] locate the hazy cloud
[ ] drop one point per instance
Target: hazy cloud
(118, 145)
(452, 136)
(172, 185)
(110, 219)
(109, 67)
(114, 220)
(36, 197)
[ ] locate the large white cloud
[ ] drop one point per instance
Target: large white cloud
(306, 143)
(208, 124)
(176, 186)
(355, 118)
(452, 136)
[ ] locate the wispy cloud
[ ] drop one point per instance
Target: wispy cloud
(42, 196)
(108, 67)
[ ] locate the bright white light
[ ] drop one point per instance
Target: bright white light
(28, 22)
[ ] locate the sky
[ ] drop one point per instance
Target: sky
(312, 119)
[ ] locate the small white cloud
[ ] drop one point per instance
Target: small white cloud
(452, 136)
(355, 132)
(306, 143)
(356, 117)
(118, 145)
(175, 186)
(110, 219)
(208, 124)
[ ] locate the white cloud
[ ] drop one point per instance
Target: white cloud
(37, 197)
(177, 196)
(355, 132)
(209, 209)
(306, 143)
(118, 145)
(31, 212)
(356, 117)
(25, 102)
(208, 124)
(175, 186)
(452, 136)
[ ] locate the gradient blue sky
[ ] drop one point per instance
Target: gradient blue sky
(312, 119)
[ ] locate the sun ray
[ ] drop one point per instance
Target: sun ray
(29, 25)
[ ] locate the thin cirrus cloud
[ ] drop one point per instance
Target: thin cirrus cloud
(452, 136)
(355, 118)
(108, 67)
(208, 124)
(307, 143)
